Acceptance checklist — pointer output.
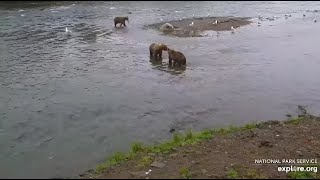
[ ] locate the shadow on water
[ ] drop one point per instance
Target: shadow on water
(164, 66)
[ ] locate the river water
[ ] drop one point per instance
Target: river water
(68, 102)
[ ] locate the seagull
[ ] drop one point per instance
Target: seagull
(208, 14)
(215, 22)
(260, 17)
(161, 19)
(191, 24)
(232, 28)
(68, 31)
(193, 15)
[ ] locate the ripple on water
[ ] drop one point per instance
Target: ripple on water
(40, 66)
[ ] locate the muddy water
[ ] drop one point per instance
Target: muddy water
(67, 102)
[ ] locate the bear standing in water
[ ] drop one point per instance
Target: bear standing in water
(177, 57)
(156, 50)
(120, 20)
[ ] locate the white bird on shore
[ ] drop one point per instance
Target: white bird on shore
(232, 29)
(260, 17)
(208, 15)
(215, 22)
(191, 24)
(193, 15)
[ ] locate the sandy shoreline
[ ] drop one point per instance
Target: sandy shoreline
(201, 24)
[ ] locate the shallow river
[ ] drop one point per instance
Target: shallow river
(67, 102)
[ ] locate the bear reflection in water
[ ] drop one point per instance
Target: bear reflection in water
(164, 66)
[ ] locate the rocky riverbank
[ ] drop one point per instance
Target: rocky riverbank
(223, 153)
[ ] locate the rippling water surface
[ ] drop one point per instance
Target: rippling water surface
(67, 102)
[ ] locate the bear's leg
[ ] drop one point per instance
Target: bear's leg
(150, 54)
(170, 61)
(160, 55)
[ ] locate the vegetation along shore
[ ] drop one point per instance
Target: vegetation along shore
(232, 152)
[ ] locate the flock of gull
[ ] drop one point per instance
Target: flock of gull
(259, 17)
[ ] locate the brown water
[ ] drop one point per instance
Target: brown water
(67, 102)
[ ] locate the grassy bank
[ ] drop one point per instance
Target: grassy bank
(188, 146)
(179, 139)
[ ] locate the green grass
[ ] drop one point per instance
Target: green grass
(232, 174)
(113, 160)
(185, 173)
(294, 120)
(179, 139)
(137, 147)
(145, 161)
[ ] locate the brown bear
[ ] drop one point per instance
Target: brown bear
(177, 57)
(156, 50)
(120, 20)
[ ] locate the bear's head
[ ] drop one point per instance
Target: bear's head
(163, 47)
